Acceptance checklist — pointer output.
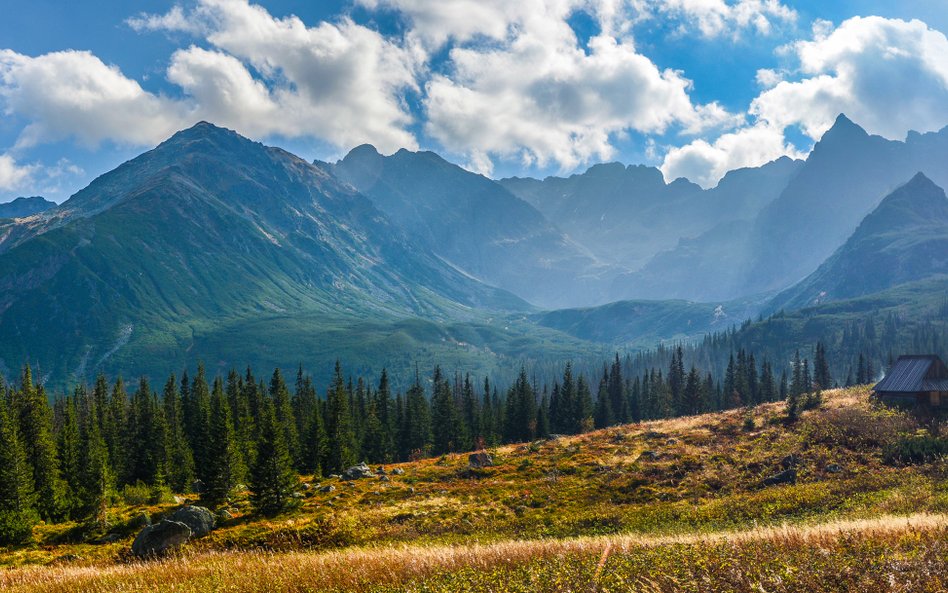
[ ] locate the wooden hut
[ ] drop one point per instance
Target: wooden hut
(918, 380)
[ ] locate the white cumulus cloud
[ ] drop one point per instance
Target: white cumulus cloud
(888, 75)
(13, 175)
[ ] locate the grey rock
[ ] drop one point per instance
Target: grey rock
(384, 479)
(224, 515)
(336, 476)
(381, 471)
(306, 486)
(327, 488)
(480, 459)
(398, 471)
(357, 472)
(787, 476)
(198, 519)
(159, 538)
(834, 468)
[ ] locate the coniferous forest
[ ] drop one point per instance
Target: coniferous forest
(208, 436)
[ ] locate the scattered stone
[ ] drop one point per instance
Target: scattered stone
(648, 456)
(306, 486)
(328, 488)
(65, 559)
(480, 459)
(787, 476)
(336, 476)
(671, 441)
(157, 539)
(198, 519)
(296, 495)
(834, 468)
(197, 486)
(398, 471)
(384, 478)
(224, 515)
(179, 499)
(411, 490)
(381, 471)
(555, 437)
(357, 472)
(790, 461)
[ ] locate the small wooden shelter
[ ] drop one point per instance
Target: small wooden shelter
(917, 380)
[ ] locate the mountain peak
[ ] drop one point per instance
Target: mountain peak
(843, 128)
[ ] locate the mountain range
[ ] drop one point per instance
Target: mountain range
(215, 247)
(21, 207)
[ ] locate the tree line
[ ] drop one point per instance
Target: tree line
(68, 460)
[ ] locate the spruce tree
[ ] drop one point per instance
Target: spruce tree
(223, 463)
(342, 443)
(272, 481)
(68, 450)
(583, 406)
(17, 500)
(692, 395)
(416, 422)
(36, 433)
(97, 478)
(196, 400)
(180, 458)
(445, 417)
(283, 408)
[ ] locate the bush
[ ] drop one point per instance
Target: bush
(16, 527)
(139, 494)
(915, 449)
(858, 428)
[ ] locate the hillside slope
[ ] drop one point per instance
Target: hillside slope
(904, 239)
(477, 225)
(690, 489)
(204, 233)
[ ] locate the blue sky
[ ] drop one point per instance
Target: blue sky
(696, 87)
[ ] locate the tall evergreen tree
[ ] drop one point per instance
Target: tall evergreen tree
(342, 441)
(68, 449)
(445, 417)
(180, 459)
(36, 419)
(222, 463)
(17, 499)
(272, 481)
(283, 408)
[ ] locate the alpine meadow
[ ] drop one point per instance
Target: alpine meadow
(440, 296)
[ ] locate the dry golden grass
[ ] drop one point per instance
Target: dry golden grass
(371, 569)
(563, 515)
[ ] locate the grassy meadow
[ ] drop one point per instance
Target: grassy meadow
(674, 505)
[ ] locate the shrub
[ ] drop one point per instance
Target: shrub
(915, 449)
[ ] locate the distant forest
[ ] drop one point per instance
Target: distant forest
(69, 458)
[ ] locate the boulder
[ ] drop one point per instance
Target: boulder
(384, 478)
(306, 486)
(648, 456)
(159, 538)
(398, 471)
(357, 472)
(790, 461)
(381, 471)
(834, 468)
(327, 488)
(787, 476)
(480, 459)
(198, 519)
(224, 515)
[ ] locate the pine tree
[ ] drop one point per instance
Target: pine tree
(272, 481)
(17, 511)
(445, 417)
(68, 450)
(222, 459)
(416, 427)
(692, 394)
(618, 401)
(821, 370)
(196, 400)
(180, 458)
(36, 436)
(97, 478)
(342, 443)
(283, 408)
(583, 408)
(316, 445)
(145, 439)
(602, 416)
